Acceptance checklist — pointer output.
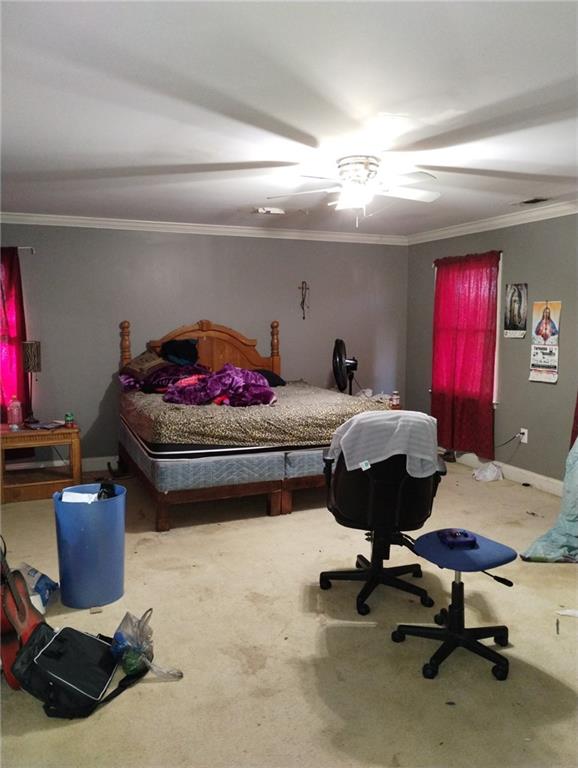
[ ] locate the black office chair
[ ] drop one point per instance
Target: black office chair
(385, 501)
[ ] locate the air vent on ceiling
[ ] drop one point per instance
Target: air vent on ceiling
(535, 200)
(269, 211)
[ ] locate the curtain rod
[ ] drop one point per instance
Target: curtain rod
(433, 266)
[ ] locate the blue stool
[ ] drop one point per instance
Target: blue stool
(483, 554)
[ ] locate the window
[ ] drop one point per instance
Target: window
(464, 351)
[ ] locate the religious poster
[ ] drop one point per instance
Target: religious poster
(545, 335)
(516, 310)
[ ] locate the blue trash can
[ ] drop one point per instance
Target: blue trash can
(90, 539)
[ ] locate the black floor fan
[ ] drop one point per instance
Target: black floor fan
(343, 367)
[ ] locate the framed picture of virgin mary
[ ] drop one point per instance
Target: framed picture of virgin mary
(516, 310)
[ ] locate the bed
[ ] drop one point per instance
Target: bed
(189, 453)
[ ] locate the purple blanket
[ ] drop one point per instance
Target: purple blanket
(229, 386)
(160, 379)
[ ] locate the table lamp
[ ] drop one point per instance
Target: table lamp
(31, 351)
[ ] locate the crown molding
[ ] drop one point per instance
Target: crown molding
(553, 211)
(50, 220)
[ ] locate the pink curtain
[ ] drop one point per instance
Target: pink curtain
(12, 334)
(464, 343)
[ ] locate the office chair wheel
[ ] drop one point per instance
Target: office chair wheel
(429, 670)
(427, 601)
(324, 583)
(501, 639)
(442, 617)
(363, 609)
(397, 636)
(500, 671)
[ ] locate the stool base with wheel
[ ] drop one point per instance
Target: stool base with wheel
(479, 555)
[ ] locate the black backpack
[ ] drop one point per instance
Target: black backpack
(69, 671)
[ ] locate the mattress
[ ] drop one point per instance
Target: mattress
(303, 416)
(204, 472)
(213, 470)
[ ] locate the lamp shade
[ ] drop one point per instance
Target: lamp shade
(31, 351)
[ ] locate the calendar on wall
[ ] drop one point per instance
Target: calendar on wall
(545, 336)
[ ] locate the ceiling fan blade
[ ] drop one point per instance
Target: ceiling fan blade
(539, 107)
(181, 90)
(415, 177)
(412, 177)
(306, 192)
(419, 195)
(323, 178)
(511, 175)
(137, 171)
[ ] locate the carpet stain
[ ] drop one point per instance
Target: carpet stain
(259, 599)
(205, 594)
(145, 540)
(251, 657)
(263, 692)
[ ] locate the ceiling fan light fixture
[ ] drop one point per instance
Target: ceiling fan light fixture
(354, 195)
(358, 168)
(360, 178)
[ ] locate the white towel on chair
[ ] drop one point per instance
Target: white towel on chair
(374, 436)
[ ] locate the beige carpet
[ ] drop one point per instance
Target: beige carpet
(278, 674)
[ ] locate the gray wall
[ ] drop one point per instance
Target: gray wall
(81, 283)
(544, 255)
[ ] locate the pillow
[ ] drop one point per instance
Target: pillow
(273, 379)
(143, 365)
(180, 352)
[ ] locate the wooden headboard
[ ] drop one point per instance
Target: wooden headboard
(216, 345)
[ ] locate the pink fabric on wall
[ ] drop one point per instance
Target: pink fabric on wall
(12, 334)
(464, 343)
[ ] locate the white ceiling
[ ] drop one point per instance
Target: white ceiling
(180, 111)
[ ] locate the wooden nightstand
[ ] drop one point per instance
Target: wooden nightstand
(29, 484)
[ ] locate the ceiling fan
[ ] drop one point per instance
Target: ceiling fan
(360, 178)
(378, 167)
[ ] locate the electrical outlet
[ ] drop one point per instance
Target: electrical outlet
(523, 435)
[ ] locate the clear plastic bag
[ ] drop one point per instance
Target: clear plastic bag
(488, 472)
(132, 644)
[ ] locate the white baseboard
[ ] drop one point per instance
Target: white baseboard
(90, 464)
(517, 475)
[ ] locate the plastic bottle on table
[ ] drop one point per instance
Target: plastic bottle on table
(14, 412)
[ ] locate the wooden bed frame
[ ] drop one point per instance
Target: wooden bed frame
(217, 345)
